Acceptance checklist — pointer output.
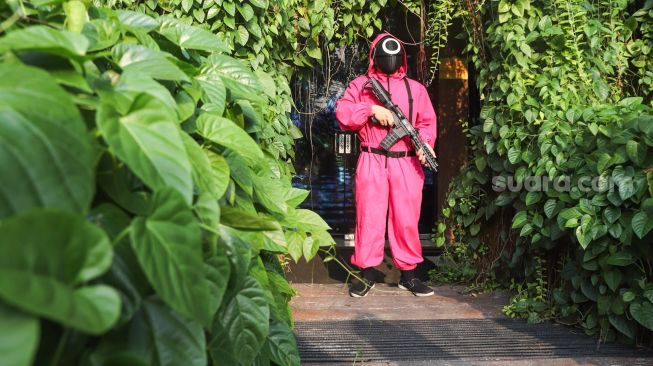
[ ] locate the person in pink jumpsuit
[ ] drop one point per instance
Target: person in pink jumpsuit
(387, 187)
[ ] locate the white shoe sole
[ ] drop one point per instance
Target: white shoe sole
(357, 295)
(417, 294)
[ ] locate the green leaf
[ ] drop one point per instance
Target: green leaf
(643, 313)
(246, 11)
(641, 224)
(282, 345)
(315, 52)
(240, 81)
(295, 242)
(168, 246)
(101, 33)
(241, 326)
(533, 197)
(310, 248)
(140, 59)
(636, 151)
(214, 95)
(624, 325)
(514, 155)
(620, 259)
(519, 219)
(219, 170)
(226, 133)
(58, 252)
(45, 153)
(239, 219)
(308, 220)
(76, 16)
(45, 39)
(612, 214)
(613, 279)
(242, 35)
(218, 270)
(137, 19)
(149, 141)
(189, 37)
(209, 170)
(550, 208)
(19, 337)
(131, 84)
(156, 336)
(263, 4)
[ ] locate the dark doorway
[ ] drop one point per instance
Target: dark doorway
(326, 158)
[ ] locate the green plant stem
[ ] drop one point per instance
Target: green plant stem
(60, 347)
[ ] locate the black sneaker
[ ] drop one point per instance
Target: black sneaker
(361, 288)
(416, 286)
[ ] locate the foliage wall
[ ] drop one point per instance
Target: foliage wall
(566, 92)
(146, 160)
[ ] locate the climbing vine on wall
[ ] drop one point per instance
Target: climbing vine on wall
(565, 96)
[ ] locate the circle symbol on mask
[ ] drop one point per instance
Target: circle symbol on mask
(390, 46)
(388, 55)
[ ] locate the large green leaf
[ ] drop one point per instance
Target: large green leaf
(238, 79)
(140, 59)
(636, 151)
(282, 345)
(214, 95)
(642, 224)
(137, 19)
(149, 141)
(45, 39)
(58, 251)
(217, 269)
(156, 336)
(168, 246)
(171, 345)
(622, 258)
(45, 153)
(209, 179)
(241, 326)
(186, 36)
(19, 337)
(643, 313)
(227, 133)
(239, 219)
(308, 220)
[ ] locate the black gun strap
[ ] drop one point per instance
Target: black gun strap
(410, 98)
(410, 101)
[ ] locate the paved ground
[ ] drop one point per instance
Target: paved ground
(333, 328)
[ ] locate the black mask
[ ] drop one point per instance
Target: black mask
(388, 55)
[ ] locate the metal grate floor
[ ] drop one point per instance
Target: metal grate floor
(450, 339)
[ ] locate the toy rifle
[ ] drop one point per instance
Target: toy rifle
(402, 125)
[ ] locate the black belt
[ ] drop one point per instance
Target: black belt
(390, 154)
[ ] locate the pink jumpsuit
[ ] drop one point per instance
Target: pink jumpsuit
(385, 185)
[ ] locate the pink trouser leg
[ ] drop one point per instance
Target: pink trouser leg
(406, 179)
(371, 196)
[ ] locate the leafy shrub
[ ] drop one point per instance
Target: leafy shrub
(142, 211)
(564, 94)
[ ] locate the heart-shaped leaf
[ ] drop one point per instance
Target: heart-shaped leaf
(168, 246)
(149, 141)
(45, 152)
(58, 252)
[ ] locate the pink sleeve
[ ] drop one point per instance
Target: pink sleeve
(352, 114)
(426, 118)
